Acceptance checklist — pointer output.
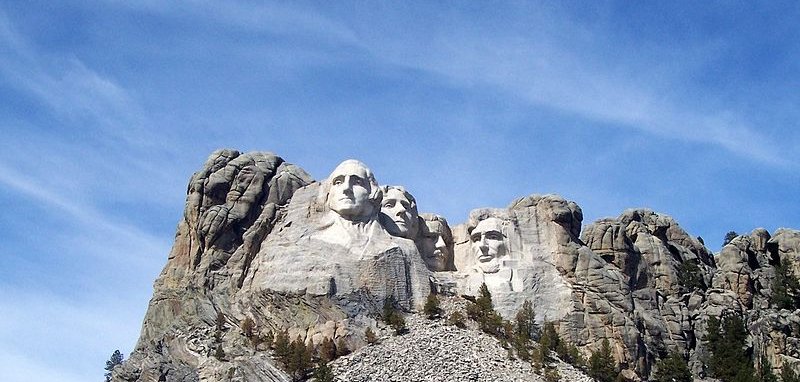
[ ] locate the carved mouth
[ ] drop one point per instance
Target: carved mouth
(485, 258)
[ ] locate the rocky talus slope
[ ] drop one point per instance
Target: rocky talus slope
(257, 244)
(433, 351)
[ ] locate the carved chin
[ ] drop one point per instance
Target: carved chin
(490, 266)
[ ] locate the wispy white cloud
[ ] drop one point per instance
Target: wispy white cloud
(548, 68)
(72, 90)
(85, 215)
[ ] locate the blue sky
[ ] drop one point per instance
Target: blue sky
(688, 108)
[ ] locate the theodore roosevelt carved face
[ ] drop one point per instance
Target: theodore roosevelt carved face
(488, 244)
(399, 212)
(352, 187)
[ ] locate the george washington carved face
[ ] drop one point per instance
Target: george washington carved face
(351, 187)
(488, 244)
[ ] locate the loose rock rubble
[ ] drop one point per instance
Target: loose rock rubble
(433, 351)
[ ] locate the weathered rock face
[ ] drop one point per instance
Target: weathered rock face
(261, 242)
(244, 251)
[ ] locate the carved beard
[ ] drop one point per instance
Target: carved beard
(492, 266)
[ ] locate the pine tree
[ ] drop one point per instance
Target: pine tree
(323, 372)
(765, 372)
(526, 322)
(116, 359)
(282, 345)
(299, 359)
(785, 287)
(673, 368)
(602, 366)
(327, 350)
(726, 340)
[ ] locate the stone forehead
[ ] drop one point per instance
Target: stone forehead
(351, 166)
(398, 192)
(435, 226)
(489, 224)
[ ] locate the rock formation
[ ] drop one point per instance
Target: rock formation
(262, 248)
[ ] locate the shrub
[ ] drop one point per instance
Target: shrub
(431, 308)
(690, 276)
(729, 237)
(115, 360)
(268, 339)
(457, 319)
(219, 353)
(370, 336)
(788, 374)
(220, 321)
(247, 326)
(393, 317)
(551, 374)
(341, 348)
(327, 350)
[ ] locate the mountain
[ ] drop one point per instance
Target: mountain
(263, 250)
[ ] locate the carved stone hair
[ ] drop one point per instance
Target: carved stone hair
(412, 202)
(447, 233)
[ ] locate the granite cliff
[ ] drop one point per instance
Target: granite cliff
(263, 248)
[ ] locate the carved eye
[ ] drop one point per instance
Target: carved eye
(389, 204)
(494, 235)
(358, 181)
(338, 180)
(475, 237)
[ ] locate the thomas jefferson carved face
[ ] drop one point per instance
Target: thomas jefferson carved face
(488, 244)
(436, 244)
(399, 213)
(351, 186)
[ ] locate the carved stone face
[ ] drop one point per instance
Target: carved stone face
(398, 214)
(350, 190)
(488, 244)
(434, 246)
